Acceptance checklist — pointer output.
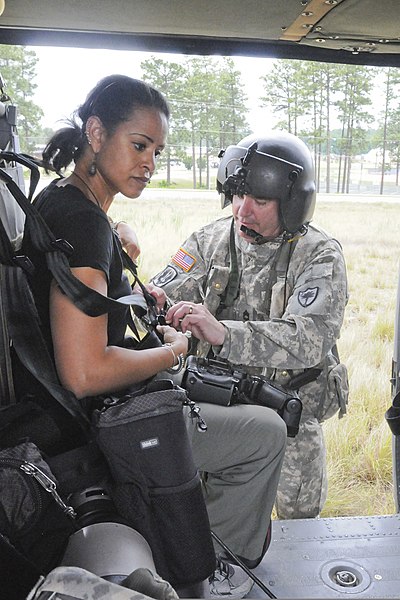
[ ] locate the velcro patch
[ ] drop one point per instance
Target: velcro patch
(184, 260)
(308, 296)
(167, 275)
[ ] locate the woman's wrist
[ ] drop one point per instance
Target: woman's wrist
(170, 349)
(178, 358)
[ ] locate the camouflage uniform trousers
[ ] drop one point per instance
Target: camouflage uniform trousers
(303, 486)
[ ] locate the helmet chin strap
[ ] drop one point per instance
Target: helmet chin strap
(261, 239)
(257, 237)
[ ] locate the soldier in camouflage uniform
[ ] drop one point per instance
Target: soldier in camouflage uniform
(267, 292)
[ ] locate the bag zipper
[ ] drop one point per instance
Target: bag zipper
(36, 496)
(48, 485)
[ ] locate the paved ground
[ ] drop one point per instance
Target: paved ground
(212, 195)
(183, 194)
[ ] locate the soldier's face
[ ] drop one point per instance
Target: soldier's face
(258, 214)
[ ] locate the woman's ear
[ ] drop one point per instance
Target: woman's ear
(95, 133)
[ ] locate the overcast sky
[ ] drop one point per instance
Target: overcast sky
(66, 75)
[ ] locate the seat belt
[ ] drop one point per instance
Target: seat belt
(29, 343)
(232, 289)
(22, 326)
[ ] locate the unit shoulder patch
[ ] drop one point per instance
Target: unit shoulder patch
(308, 296)
(167, 275)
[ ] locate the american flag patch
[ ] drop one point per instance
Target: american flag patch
(184, 260)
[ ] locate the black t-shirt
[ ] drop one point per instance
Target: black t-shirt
(73, 217)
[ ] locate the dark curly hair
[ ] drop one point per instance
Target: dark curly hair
(113, 100)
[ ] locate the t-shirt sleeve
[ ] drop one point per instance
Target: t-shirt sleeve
(91, 240)
(72, 218)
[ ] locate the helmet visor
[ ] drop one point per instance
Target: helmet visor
(249, 171)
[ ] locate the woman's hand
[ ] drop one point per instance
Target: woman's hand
(85, 363)
(196, 318)
(157, 293)
(177, 339)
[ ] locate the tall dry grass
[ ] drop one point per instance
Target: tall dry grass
(359, 445)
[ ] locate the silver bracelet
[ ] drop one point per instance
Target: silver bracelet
(179, 360)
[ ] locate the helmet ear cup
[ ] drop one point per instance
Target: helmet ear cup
(298, 209)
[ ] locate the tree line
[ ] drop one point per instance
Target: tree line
(326, 104)
(308, 95)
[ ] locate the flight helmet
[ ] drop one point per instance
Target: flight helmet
(277, 166)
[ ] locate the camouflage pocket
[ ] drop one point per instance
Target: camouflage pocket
(337, 393)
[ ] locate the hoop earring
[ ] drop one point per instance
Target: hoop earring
(93, 167)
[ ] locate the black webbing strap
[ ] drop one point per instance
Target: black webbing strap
(27, 161)
(85, 298)
(28, 341)
(7, 393)
(21, 319)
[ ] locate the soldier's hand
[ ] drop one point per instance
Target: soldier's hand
(188, 316)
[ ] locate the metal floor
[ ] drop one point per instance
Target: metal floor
(341, 557)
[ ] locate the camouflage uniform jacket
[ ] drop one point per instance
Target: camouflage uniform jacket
(276, 332)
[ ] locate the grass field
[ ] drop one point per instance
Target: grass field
(359, 445)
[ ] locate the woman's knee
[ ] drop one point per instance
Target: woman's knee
(271, 424)
(267, 432)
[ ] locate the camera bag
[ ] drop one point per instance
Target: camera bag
(155, 485)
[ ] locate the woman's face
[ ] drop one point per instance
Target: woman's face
(127, 158)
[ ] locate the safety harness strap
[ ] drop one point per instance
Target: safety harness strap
(232, 289)
(28, 341)
(7, 393)
(56, 251)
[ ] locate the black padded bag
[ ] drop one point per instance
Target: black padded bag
(30, 518)
(156, 486)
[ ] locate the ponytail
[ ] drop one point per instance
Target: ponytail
(63, 147)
